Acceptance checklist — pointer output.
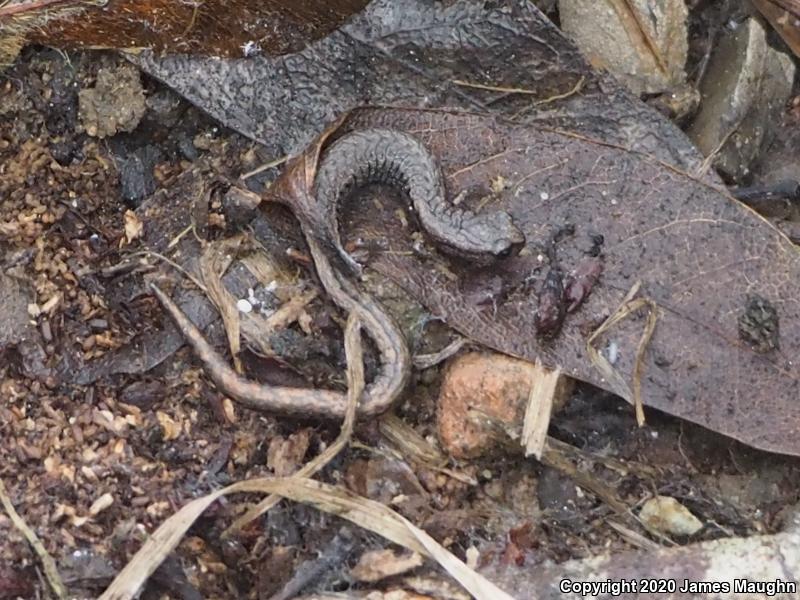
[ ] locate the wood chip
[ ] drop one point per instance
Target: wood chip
(380, 564)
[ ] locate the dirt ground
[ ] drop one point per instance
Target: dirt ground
(93, 468)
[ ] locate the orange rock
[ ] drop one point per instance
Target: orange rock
(481, 395)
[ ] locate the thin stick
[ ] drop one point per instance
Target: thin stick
(571, 92)
(495, 88)
(638, 365)
(264, 167)
(616, 381)
(175, 266)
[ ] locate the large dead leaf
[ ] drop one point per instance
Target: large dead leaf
(699, 255)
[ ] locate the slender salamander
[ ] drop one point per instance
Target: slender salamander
(377, 398)
(398, 159)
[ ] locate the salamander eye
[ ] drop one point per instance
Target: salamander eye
(503, 249)
(506, 248)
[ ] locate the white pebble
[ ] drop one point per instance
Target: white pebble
(612, 352)
(244, 306)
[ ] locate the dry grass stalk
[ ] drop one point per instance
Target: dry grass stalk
(49, 565)
(544, 389)
(628, 306)
(355, 381)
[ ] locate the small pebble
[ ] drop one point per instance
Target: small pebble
(667, 515)
(47, 332)
(612, 352)
(98, 324)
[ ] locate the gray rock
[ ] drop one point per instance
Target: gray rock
(614, 40)
(136, 177)
(744, 92)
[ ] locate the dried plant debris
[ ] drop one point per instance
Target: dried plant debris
(115, 103)
(361, 511)
(758, 324)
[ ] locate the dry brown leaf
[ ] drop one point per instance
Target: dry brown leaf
(134, 228)
(232, 28)
(285, 454)
(699, 254)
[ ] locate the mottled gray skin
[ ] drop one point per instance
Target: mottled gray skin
(398, 159)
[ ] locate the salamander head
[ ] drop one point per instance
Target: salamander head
(485, 237)
(509, 239)
(505, 248)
